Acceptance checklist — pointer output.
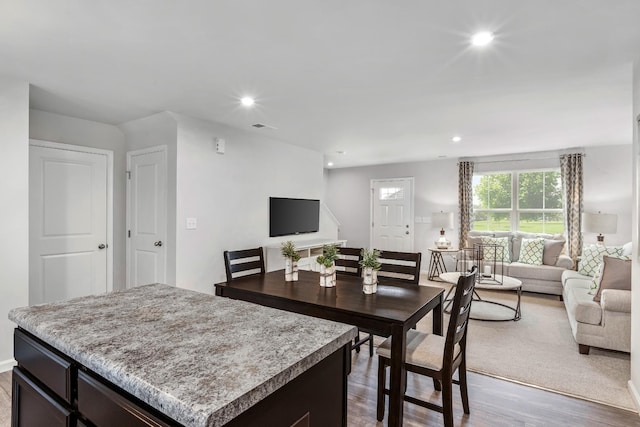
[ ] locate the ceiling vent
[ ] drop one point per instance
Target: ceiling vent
(262, 125)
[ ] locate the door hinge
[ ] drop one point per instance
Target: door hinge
(128, 174)
(129, 233)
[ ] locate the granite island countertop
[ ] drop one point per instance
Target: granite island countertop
(198, 358)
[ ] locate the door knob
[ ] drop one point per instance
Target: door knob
(102, 246)
(158, 243)
(406, 232)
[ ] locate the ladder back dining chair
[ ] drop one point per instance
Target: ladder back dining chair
(243, 263)
(436, 356)
(400, 266)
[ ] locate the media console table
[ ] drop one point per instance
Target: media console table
(309, 250)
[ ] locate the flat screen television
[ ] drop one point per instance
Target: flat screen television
(293, 216)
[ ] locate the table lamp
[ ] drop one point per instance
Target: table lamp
(442, 220)
(599, 223)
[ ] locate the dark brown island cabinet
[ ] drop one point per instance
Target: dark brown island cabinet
(51, 388)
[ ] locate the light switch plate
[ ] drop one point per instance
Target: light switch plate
(192, 223)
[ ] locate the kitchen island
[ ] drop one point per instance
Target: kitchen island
(160, 355)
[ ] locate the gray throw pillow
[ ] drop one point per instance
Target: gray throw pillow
(616, 274)
(552, 250)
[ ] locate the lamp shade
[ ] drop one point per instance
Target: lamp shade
(599, 223)
(442, 220)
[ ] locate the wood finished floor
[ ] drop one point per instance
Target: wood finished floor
(494, 403)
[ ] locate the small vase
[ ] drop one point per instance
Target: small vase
(288, 269)
(323, 275)
(369, 280)
(327, 276)
(331, 276)
(294, 271)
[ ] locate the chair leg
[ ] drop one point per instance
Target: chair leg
(436, 385)
(447, 402)
(583, 349)
(382, 380)
(356, 340)
(370, 345)
(462, 379)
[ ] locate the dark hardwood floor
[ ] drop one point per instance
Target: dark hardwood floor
(493, 402)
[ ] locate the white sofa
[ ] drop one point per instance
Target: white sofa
(604, 324)
(546, 279)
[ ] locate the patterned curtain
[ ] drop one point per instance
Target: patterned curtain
(571, 170)
(465, 199)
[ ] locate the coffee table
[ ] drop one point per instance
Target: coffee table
(508, 284)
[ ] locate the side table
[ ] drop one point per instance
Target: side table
(436, 263)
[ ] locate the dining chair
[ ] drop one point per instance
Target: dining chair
(436, 356)
(400, 266)
(244, 262)
(348, 263)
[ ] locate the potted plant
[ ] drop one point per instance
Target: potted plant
(370, 266)
(291, 257)
(327, 265)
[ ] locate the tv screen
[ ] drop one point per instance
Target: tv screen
(293, 216)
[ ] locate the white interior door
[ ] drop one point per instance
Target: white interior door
(147, 216)
(68, 196)
(392, 214)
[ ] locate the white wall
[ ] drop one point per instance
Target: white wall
(436, 189)
(634, 383)
(14, 215)
(70, 130)
(228, 194)
(606, 188)
(156, 130)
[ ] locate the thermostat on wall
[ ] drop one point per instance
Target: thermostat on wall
(220, 144)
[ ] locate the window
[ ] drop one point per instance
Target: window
(391, 193)
(528, 201)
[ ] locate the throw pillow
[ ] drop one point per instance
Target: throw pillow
(501, 252)
(552, 251)
(592, 257)
(616, 274)
(595, 282)
(531, 251)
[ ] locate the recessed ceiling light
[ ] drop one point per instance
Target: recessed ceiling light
(247, 101)
(456, 139)
(330, 164)
(482, 38)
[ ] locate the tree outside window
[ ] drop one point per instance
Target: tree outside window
(537, 196)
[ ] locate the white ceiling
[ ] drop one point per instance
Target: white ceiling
(383, 80)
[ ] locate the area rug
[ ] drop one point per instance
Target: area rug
(539, 350)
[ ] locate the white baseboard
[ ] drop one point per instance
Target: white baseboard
(635, 396)
(6, 365)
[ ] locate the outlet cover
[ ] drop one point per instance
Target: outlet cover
(192, 223)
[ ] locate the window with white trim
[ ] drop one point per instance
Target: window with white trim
(529, 201)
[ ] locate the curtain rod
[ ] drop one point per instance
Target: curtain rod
(518, 160)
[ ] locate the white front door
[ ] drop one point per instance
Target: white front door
(147, 216)
(392, 214)
(68, 197)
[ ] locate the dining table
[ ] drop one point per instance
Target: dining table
(395, 308)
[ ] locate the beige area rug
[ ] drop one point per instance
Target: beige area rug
(539, 350)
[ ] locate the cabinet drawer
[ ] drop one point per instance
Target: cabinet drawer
(51, 369)
(32, 406)
(105, 407)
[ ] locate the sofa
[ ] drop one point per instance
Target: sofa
(545, 278)
(605, 323)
